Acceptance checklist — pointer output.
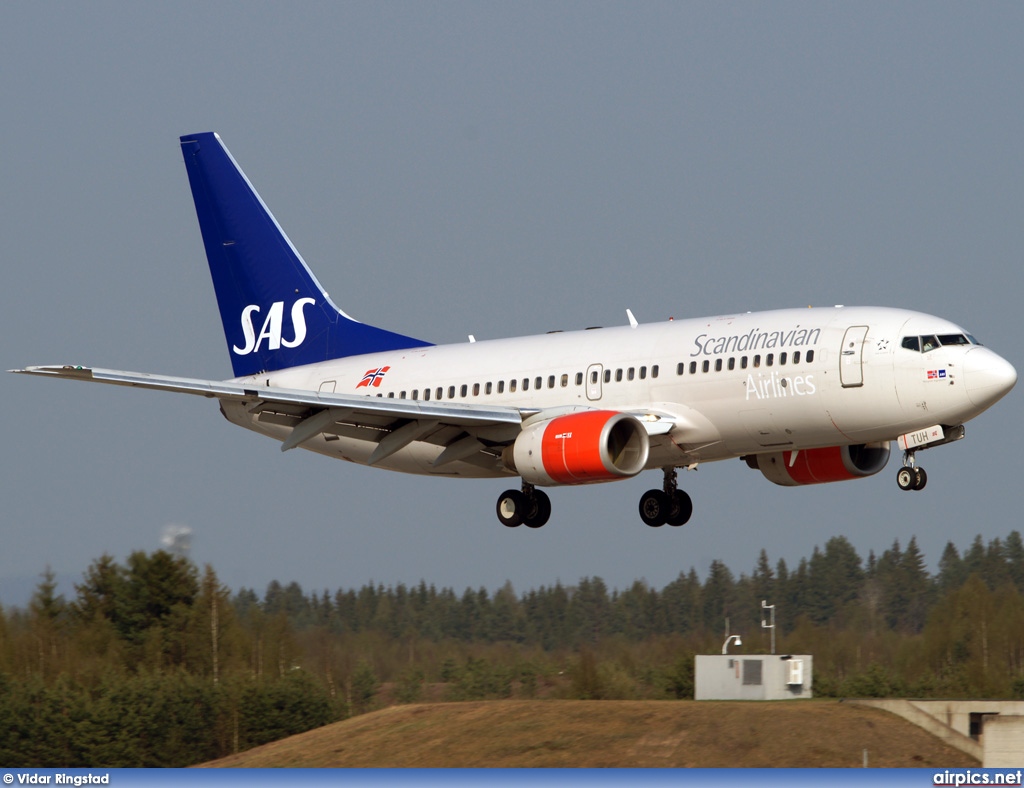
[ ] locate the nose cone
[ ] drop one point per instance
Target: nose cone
(987, 377)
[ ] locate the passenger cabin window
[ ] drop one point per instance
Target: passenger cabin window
(607, 376)
(810, 356)
(565, 381)
(501, 386)
(512, 386)
(680, 367)
(654, 371)
(579, 378)
(463, 390)
(537, 382)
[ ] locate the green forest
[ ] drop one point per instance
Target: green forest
(154, 662)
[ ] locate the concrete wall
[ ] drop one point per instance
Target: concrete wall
(990, 730)
(1003, 742)
(750, 677)
(957, 714)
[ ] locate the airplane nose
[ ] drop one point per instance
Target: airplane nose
(987, 377)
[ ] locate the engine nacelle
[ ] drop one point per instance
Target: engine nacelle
(590, 446)
(817, 466)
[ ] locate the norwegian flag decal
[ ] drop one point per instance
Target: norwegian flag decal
(373, 377)
(936, 374)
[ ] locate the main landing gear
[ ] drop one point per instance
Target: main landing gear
(668, 505)
(531, 507)
(910, 477)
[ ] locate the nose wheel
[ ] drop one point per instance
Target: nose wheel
(667, 505)
(911, 477)
(530, 507)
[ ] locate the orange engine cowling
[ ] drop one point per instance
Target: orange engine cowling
(590, 446)
(817, 466)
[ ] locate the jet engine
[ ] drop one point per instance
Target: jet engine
(579, 448)
(817, 466)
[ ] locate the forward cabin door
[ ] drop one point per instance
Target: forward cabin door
(851, 357)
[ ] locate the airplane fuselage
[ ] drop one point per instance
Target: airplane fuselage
(729, 386)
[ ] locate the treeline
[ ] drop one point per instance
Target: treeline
(154, 663)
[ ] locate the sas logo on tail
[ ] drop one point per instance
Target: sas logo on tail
(373, 377)
(273, 327)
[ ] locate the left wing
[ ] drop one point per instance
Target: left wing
(463, 430)
(470, 433)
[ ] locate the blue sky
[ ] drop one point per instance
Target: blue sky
(490, 169)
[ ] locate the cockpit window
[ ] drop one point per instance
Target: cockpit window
(928, 342)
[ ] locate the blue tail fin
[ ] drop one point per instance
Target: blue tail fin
(275, 313)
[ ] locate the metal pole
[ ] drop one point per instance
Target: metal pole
(764, 624)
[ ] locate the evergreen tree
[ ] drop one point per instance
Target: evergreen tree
(952, 572)
(364, 687)
(1014, 551)
(718, 597)
(914, 588)
(763, 580)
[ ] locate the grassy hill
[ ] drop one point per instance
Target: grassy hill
(611, 734)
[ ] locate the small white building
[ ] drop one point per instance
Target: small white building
(754, 677)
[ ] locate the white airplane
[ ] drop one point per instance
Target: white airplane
(803, 395)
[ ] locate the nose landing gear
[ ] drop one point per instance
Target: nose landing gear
(910, 477)
(667, 505)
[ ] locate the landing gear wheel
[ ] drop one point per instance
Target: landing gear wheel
(680, 508)
(512, 505)
(920, 478)
(655, 507)
(538, 509)
(906, 478)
